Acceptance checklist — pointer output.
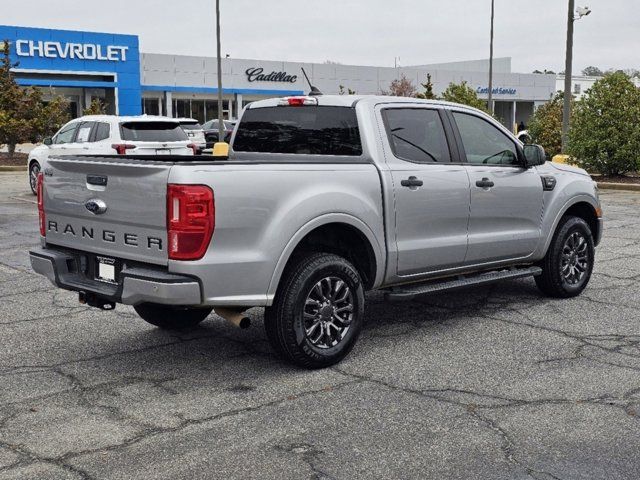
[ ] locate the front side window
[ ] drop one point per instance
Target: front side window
(152, 132)
(66, 134)
(416, 135)
(84, 132)
(485, 144)
(311, 130)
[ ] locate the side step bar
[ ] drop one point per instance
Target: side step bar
(407, 292)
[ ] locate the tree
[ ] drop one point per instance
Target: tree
(545, 126)
(464, 94)
(97, 107)
(402, 87)
(604, 135)
(592, 72)
(428, 90)
(348, 91)
(23, 115)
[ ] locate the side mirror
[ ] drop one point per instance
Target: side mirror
(534, 155)
(221, 150)
(47, 141)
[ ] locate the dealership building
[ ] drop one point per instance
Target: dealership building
(83, 66)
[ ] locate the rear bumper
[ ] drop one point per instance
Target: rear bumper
(136, 284)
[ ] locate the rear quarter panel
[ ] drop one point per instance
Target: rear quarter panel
(263, 210)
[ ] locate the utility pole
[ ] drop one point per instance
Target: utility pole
(219, 60)
(566, 108)
(490, 99)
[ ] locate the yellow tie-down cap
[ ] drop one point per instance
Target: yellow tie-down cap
(561, 159)
(221, 150)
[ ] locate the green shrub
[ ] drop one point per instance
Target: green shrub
(605, 127)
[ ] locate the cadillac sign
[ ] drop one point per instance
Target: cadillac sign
(257, 75)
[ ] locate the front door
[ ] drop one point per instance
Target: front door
(506, 198)
(431, 192)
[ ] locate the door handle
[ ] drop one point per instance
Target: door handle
(484, 183)
(412, 182)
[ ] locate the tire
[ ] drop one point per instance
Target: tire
(34, 170)
(169, 317)
(318, 311)
(567, 267)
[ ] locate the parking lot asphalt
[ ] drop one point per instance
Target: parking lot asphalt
(492, 383)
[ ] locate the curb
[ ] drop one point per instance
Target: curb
(13, 168)
(630, 187)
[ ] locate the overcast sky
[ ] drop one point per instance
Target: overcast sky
(358, 32)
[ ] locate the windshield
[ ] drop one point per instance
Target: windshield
(152, 132)
(312, 130)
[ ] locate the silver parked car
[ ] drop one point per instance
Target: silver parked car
(321, 199)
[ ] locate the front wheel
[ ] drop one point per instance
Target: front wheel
(567, 267)
(34, 170)
(318, 311)
(170, 317)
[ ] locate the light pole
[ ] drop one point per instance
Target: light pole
(490, 99)
(566, 107)
(219, 60)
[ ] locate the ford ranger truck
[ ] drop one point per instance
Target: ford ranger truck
(320, 199)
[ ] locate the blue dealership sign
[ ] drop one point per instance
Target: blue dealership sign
(82, 54)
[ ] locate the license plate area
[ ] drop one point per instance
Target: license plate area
(163, 151)
(107, 270)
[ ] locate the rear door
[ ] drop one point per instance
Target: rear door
(155, 138)
(506, 198)
(431, 189)
(133, 195)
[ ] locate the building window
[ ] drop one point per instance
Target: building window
(197, 110)
(150, 106)
(182, 108)
(576, 88)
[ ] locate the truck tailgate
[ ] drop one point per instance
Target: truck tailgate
(133, 225)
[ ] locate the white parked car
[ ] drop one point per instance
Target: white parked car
(112, 135)
(194, 131)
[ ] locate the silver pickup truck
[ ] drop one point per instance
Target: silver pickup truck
(320, 199)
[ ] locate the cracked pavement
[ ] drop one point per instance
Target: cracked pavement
(491, 383)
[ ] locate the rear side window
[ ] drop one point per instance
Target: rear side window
(191, 126)
(152, 132)
(417, 135)
(102, 131)
(312, 130)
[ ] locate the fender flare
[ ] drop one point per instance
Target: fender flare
(325, 219)
(570, 203)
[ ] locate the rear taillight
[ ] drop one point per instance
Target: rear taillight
(40, 192)
(191, 219)
(193, 147)
(121, 148)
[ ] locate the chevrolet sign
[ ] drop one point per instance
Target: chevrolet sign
(81, 51)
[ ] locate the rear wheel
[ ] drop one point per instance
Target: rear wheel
(318, 311)
(567, 267)
(170, 317)
(34, 170)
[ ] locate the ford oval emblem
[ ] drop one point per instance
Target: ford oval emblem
(96, 206)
